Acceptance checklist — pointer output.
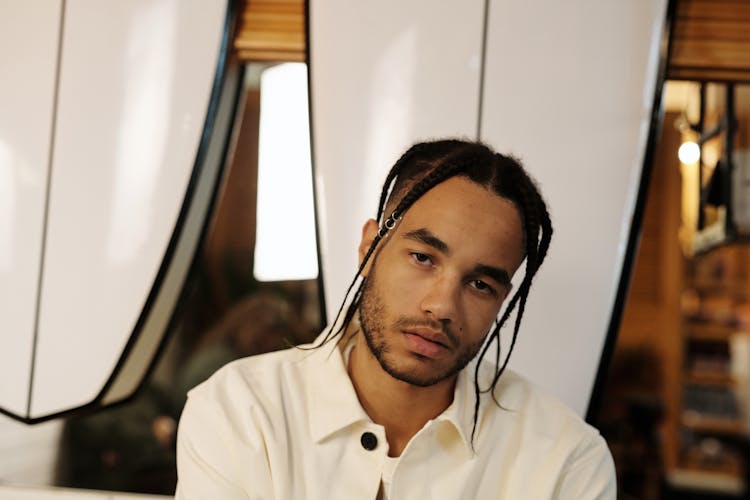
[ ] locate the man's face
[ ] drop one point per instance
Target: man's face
(435, 285)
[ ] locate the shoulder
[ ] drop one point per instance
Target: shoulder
(548, 433)
(227, 424)
(243, 400)
(540, 416)
(250, 393)
(243, 381)
(540, 411)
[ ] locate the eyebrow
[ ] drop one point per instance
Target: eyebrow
(424, 235)
(497, 274)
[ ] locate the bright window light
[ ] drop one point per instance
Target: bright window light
(689, 152)
(285, 247)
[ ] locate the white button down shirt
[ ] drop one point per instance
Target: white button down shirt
(288, 425)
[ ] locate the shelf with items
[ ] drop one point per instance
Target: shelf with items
(710, 377)
(709, 331)
(708, 360)
(708, 464)
(708, 287)
(716, 425)
(712, 418)
(723, 307)
(712, 408)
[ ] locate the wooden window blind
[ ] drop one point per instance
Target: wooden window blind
(271, 30)
(710, 41)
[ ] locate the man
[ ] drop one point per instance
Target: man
(395, 400)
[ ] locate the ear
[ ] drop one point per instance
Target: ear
(369, 231)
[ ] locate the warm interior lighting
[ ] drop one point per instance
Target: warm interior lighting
(689, 152)
(285, 247)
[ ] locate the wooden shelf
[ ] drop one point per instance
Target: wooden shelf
(709, 330)
(706, 377)
(717, 287)
(713, 425)
(721, 471)
(725, 483)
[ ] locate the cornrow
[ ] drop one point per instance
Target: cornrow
(426, 165)
(430, 151)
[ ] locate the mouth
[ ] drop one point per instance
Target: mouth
(427, 342)
(436, 336)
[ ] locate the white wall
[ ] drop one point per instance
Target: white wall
(28, 454)
(25, 493)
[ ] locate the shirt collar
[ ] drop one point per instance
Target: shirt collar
(460, 413)
(334, 404)
(331, 398)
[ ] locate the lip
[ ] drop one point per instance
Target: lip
(434, 336)
(430, 334)
(424, 346)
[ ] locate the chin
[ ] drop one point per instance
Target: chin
(417, 374)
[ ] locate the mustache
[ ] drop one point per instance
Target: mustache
(405, 323)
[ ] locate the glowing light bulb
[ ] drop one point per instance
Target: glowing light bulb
(689, 152)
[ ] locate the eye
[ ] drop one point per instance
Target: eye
(421, 259)
(482, 287)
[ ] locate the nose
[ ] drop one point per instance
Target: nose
(440, 300)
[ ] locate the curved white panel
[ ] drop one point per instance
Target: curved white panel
(569, 88)
(162, 303)
(28, 55)
(134, 88)
(383, 75)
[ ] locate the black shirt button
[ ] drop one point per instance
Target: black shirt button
(369, 441)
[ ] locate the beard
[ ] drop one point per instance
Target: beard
(373, 317)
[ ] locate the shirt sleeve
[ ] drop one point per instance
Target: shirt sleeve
(210, 462)
(590, 474)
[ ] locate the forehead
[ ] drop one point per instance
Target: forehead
(471, 220)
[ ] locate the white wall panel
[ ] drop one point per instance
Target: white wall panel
(22, 493)
(134, 87)
(383, 75)
(569, 87)
(28, 58)
(29, 453)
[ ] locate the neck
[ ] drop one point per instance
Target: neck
(401, 408)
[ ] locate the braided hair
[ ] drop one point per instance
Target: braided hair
(420, 169)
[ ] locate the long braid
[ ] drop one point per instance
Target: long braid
(538, 233)
(331, 333)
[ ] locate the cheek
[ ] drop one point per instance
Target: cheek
(395, 288)
(481, 319)
(402, 280)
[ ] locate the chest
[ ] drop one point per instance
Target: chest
(436, 464)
